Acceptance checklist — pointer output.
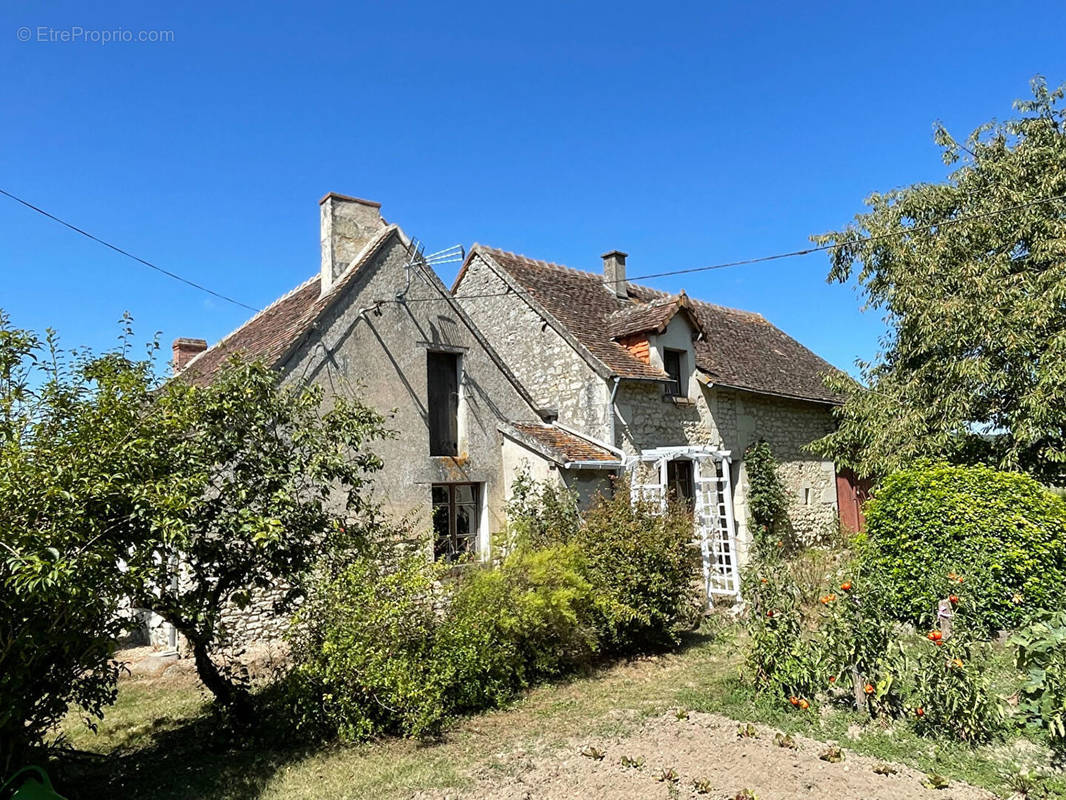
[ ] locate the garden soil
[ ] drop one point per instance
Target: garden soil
(704, 749)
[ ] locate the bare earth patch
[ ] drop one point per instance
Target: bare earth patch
(709, 759)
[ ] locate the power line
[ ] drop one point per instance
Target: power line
(804, 252)
(138, 259)
(649, 276)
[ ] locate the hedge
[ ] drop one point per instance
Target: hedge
(995, 539)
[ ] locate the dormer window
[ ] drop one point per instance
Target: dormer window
(673, 365)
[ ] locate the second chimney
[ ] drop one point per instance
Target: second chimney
(185, 350)
(614, 272)
(347, 226)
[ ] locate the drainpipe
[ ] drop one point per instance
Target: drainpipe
(611, 412)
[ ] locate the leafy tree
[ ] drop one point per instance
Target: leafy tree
(183, 499)
(68, 451)
(255, 483)
(971, 276)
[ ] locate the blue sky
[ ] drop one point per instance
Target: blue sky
(684, 134)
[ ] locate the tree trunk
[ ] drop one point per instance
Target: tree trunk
(227, 694)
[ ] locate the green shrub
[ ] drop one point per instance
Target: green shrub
(362, 650)
(643, 565)
(507, 627)
(1041, 656)
(394, 644)
(767, 501)
(858, 649)
(541, 513)
(1001, 535)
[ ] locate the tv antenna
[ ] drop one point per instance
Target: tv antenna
(416, 257)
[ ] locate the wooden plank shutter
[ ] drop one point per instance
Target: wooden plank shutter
(443, 403)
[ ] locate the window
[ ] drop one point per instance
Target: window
(679, 481)
(443, 403)
(673, 361)
(455, 520)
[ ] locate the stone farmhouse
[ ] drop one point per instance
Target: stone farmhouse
(377, 323)
(525, 365)
(680, 386)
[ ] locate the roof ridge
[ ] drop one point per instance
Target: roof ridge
(541, 261)
(587, 273)
(707, 303)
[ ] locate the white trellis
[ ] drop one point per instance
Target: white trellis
(713, 511)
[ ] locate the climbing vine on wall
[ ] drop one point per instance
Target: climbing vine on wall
(767, 499)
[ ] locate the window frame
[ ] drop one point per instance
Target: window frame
(674, 387)
(452, 553)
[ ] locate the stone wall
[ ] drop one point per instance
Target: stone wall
(733, 420)
(544, 361)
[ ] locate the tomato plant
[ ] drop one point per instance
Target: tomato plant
(951, 694)
(781, 658)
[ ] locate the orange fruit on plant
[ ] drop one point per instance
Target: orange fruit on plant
(919, 711)
(868, 688)
(804, 704)
(953, 599)
(845, 586)
(794, 700)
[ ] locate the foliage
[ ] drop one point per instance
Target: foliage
(767, 499)
(995, 540)
(950, 692)
(541, 512)
(362, 649)
(858, 646)
(181, 499)
(66, 456)
(394, 644)
(1041, 655)
(253, 480)
(973, 367)
(782, 659)
(642, 565)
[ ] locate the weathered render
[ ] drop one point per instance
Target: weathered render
(368, 325)
(592, 347)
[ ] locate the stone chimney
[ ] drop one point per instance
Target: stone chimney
(347, 225)
(185, 350)
(614, 272)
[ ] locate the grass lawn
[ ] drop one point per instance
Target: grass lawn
(159, 741)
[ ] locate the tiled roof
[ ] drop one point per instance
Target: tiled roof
(563, 445)
(650, 317)
(270, 334)
(738, 348)
(581, 302)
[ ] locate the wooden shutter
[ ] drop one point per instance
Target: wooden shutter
(443, 403)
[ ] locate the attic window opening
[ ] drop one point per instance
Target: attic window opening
(442, 373)
(673, 363)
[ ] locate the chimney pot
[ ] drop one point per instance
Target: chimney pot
(347, 226)
(614, 272)
(185, 350)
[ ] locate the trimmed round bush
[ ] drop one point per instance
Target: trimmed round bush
(996, 540)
